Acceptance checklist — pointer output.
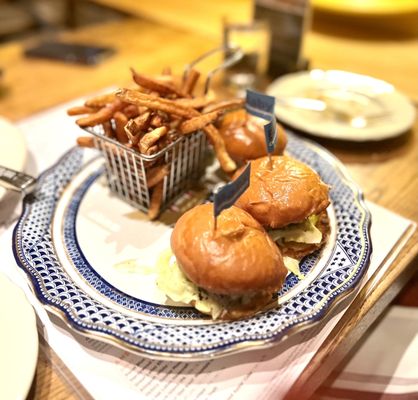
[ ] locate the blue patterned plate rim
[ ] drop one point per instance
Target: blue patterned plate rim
(180, 342)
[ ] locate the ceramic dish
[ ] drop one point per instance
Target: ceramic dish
(18, 341)
(73, 240)
(358, 107)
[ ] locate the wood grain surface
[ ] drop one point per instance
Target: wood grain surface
(387, 171)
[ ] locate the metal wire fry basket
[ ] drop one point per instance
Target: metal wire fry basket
(126, 169)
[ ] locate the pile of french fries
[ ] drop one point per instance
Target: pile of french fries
(154, 114)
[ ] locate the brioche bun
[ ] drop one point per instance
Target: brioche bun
(244, 136)
(239, 258)
(288, 193)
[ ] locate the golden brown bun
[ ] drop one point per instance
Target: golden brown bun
(244, 136)
(286, 194)
(239, 258)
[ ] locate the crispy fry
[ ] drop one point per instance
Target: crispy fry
(190, 81)
(135, 127)
(152, 150)
(142, 110)
(166, 71)
(85, 141)
(131, 111)
(155, 85)
(156, 201)
(120, 121)
(104, 114)
(156, 121)
(108, 129)
(155, 103)
(197, 102)
(196, 123)
(227, 163)
(156, 174)
(101, 100)
(151, 138)
(165, 79)
(224, 105)
(80, 110)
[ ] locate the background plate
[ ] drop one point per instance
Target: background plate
(367, 95)
(72, 234)
(18, 341)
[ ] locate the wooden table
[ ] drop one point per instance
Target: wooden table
(386, 171)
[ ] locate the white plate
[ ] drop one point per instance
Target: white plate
(18, 341)
(12, 148)
(348, 92)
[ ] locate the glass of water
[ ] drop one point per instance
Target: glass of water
(254, 40)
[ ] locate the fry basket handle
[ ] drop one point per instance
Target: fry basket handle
(236, 56)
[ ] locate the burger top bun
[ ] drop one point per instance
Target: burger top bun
(244, 136)
(288, 193)
(238, 258)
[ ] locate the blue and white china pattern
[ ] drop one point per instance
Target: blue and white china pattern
(35, 253)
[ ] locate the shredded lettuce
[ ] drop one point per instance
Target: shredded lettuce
(304, 232)
(172, 281)
(292, 265)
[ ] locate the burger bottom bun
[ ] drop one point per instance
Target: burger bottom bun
(239, 258)
(300, 250)
(237, 311)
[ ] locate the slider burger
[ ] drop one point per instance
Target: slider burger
(229, 273)
(244, 136)
(290, 201)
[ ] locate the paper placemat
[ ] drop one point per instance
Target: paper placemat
(105, 370)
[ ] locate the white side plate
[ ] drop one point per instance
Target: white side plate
(390, 112)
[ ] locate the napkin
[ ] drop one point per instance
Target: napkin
(108, 372)
(385, 365)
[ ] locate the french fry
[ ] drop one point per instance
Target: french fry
(108, 129)
(101, 100)
(190, 81)
(224, 105)
(166, 71)
(120, 121)
(156, 174)
(155, 85)
(227, 163)
(85, 141)
(104, 114)
(135, 127)
(81, 110)
(159, 119)
(155, 103)
(155, 201)
(196, 123)
(131, 111)
(151, 138)
(142, 110)
(152, 150)
(197, 102)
